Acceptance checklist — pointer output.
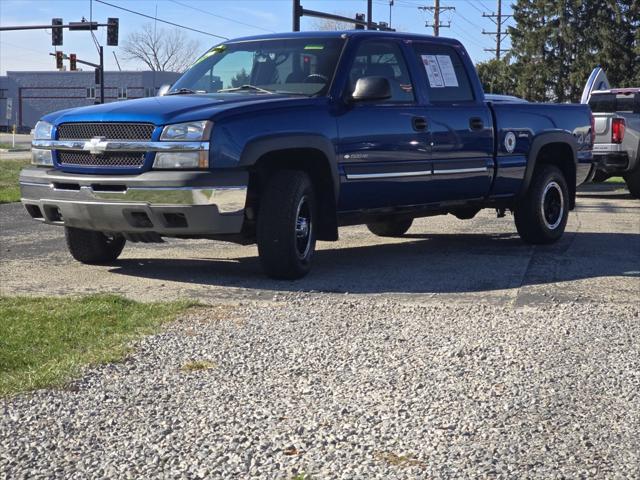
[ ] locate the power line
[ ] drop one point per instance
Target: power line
(467, 20)
(474, 6)
(161, 20)
(22, 47)
(220, 16)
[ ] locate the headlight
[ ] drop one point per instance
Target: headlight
(40, 156)
(187, 132)
(172, 160)
(42, 131)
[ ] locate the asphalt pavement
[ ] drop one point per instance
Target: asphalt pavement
(439, 259)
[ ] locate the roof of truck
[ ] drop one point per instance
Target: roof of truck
(344, 33)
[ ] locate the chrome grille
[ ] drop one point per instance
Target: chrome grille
(109, 159)
(110, 131)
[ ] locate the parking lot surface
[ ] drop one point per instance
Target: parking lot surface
(454, 352)
(440, 259)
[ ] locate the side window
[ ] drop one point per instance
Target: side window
(383, 59)
(447, 78)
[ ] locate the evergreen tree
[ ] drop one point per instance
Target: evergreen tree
(556, 44)
(497, 76)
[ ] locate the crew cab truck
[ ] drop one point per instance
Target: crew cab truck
(281, 139)
(617, 143)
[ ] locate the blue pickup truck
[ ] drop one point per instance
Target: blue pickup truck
(281, 139)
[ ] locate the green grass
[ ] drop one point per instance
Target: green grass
(44, 341)
(9, 172)
(615, 180)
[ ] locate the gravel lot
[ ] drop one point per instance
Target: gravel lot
(350, 389)
(479, 357)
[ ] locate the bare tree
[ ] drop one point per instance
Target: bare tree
(161, 50)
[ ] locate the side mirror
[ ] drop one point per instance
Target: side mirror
(371, 88)
(162, 91)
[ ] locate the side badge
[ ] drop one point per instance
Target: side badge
(510, 142)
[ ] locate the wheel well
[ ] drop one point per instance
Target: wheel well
(309, 160)
(561, 155)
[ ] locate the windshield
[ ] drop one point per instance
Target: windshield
(302, 66)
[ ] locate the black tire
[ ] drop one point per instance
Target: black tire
(633, 182)
(93, 248)
(541, 216)
(390, 228)
(600, 177)
(286, 230)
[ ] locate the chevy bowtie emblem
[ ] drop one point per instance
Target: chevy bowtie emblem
(95, 146)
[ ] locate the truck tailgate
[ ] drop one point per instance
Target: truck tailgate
(603, 126)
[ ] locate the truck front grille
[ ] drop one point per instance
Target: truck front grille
(110, 131)
(108, 159)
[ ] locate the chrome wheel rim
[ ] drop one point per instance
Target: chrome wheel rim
(304, 228)
(552, 205)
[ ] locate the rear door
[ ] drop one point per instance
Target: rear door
(382, 151)
(460, 125)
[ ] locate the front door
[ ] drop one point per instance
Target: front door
(383, 145)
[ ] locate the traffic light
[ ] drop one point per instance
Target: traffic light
(97, 76)
(360, 16)
(72, 62)
(112, 31)
(56, 32)
(59, 58)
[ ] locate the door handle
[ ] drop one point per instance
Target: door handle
(476, 123)
(419, 123)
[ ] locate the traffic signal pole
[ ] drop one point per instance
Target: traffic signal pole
(57, 26)
(72, 26)
(101, 75)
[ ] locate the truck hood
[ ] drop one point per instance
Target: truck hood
(169, 109)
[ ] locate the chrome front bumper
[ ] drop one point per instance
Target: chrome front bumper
(102, 146)
(168, 203)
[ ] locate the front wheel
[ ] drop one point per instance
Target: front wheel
(541, 216)
(93, 248)
(286, 230)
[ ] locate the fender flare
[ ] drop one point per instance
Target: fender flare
(538, 143)
(261, 146)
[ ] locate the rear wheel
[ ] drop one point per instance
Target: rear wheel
(390, 228)
(286, 230)
(93, 248)
(541, 216)
(633, 182)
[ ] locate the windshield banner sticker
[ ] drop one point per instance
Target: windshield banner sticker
(446, 68)
(433, 71)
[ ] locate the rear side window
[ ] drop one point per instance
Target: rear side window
(611, 102)
(446, 75)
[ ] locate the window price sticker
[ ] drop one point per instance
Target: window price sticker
(433, 71)
(440, 71)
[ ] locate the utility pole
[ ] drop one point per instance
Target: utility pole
(437, 24)
(499, 19)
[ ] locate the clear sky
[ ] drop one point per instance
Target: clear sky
(29, 50)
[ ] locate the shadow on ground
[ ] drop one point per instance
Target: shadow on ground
(435, 263)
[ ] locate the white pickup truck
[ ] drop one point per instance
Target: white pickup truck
(616, 113)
